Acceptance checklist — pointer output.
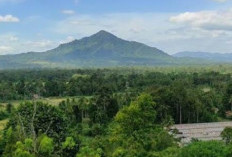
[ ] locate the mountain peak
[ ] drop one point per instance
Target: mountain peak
(103, 32)
(104, 35)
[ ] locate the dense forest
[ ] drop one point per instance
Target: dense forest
(111, 112)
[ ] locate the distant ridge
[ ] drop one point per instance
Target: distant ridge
(215, 57)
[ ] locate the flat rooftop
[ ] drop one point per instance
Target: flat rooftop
(200, 131)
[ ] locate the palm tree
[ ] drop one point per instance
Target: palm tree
(230, 101)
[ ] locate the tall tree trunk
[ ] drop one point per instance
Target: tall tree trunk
(180, 114)
(34, 136)
(82, 114)
(177, 113)
(189, 117)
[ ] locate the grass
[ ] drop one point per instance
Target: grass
(206, 89)
(3, 124)
(51, 100)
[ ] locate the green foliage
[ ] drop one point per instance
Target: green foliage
(72, 111)
(104, 106)
(204, 149)
(36, 125)
(169, 152)
(106, 117)
(9, 108)
(97, 129)
(28, 143)
(119, 152)
(46, 146)
(89, 152)
(135, 129)
(23, 149)
(9, 134)
(139, 115)
(69, 143)
(69, 147)
(28, 148)
(8, 142)
(227, 135)
(45, 119)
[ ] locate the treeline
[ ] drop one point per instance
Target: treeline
(183, 97)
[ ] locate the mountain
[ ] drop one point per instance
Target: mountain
(213, 57)
(102, 49)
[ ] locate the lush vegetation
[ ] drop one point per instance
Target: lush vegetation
(111, 112)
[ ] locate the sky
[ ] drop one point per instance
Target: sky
(170, 25)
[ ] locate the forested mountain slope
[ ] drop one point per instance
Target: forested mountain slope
(102, 49)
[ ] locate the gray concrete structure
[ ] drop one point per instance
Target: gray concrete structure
(200, 131)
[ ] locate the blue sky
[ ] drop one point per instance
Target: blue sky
(171, 25)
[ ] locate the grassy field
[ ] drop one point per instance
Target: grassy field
(52, 100)
(3, 124)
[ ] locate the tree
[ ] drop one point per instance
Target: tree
(139, 115)
(72, 111)
(230, 102)
(69, 147)
(227, 135)
(31, 120)
(9, 108)
(83, 106)
(103, 106)
(21, 151)
(204, 149)
(89, 152)
(135, 129)
(46, 146)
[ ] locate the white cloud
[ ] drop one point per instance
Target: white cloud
(68, 12)
(68, 39)
(42, 44)
(13, 38)
(8, 38)
(11, 44)
(127, 25)
(8, 18)
(5, 49)
(220, 1)
(208, 20)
